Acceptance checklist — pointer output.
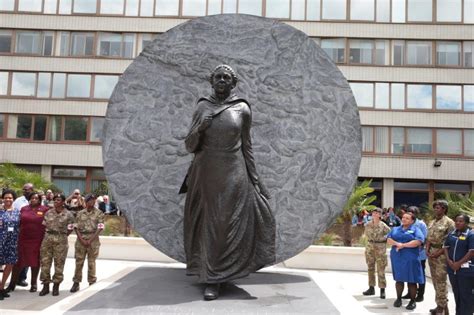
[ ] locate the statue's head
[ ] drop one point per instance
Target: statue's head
(223, 78)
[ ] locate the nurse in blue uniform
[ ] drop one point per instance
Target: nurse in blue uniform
(459, 250)
(405, 257)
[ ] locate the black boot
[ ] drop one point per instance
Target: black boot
(75, 287)
(45, 289)
(369, 291)
(398, 302)
(11, 287)
(211, 292)
(4, 293)
(382, 293)
(1, 295)
(411, 305)
(56, 289)
(420, 294)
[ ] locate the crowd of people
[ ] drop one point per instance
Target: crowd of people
(34, 230)
(447, 245)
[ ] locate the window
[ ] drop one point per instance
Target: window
(362, 10)
(2, 124)
(19, 126)
(55, 128)
(82, 44)
(449, 141)
(398, 141)
(65, 6)
(214, 7)
(229, 6)
(5, 41)
(334, 48)
(85, 6)
(39, 131)
(146, 8)
(469, 142)
(29, 5)
(420, 10)
(278, 9)
(79, 85)
(448, 10)
(96, 129)
(468, 11)
(419, 96)
(455, 187)
(97, 178)
(3, 83)
(75, 128)
(116, 45)
(104, 85)
(468, 54)
(383, 11)
(191, 8)
(382, 95)
(367, 139)
(59, 85)
(398, 11)
(412, 193)
(145, 40)
(448, 53)
(28, 42)
(297, 9)
(398, 52)
(360, 51)
(68, 179)
(363, 93)
(334, 9)
(50, 6)
(419, 140)
(448, 97)
(400, 185)
(44, 84)
(313, 10)
(171, 7)
(250, 7)
(7, 5)
(48, 38)
(382, 52)
(111, 6)
(131, 8)
(418, 53)
(23, 83)
(469, 98)
(381, 140)
(397, 98)
(64, 46)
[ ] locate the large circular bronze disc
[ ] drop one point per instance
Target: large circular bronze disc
(306, 128)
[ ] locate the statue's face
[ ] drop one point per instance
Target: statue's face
(222, 81)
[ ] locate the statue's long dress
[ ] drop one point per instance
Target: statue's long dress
(229, 230)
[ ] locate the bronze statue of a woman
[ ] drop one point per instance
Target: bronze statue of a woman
(229, 229)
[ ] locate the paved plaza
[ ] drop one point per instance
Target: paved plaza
(127, 287)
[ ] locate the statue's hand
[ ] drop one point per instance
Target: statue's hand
(205, 123)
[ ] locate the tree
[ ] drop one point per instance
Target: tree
(14, 178)
(458, 203)
(359, 200)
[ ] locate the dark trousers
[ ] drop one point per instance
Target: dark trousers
(23, 273)
(463, 293)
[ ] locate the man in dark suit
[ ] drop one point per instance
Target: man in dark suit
(107, 206)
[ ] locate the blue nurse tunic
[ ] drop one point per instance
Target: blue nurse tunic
(406, 265)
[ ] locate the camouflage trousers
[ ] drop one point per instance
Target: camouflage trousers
(53, 249)
(81, 252)
(439, 278)
(376, 254)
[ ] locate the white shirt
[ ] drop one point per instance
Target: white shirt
(20, 202)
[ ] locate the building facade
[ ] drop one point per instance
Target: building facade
(409, 63)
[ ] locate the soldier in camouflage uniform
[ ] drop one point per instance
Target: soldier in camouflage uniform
(438, 230)
(59, 223)
(89, 224)
(376, 252)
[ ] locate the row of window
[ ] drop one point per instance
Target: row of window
(50, 43)
(399, 52)
(402, 96)
(51, 128)
(341, 50)
(57, 85)
(428, 141)
(383, 11)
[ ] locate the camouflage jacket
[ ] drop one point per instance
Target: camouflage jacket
(59, 223)
(88, 222)
(376, 232)
(439, 230)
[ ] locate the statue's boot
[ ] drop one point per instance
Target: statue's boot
(211, 292)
